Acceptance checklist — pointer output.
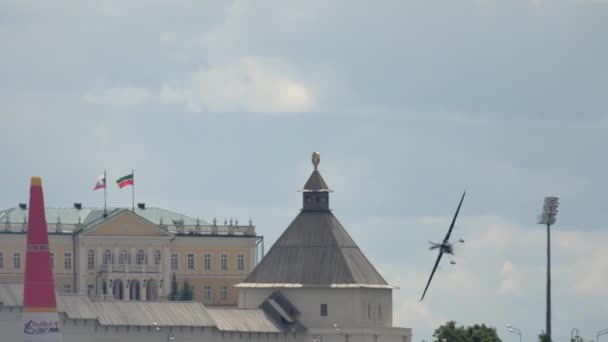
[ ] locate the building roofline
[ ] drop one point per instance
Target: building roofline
(327, 286)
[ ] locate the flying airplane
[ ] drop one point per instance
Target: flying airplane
(444, 247)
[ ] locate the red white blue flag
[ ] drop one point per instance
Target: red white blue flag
(101, 183)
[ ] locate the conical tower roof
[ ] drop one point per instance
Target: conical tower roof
(315, 183)
(315, 249)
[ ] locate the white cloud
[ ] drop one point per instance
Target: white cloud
(432, 220)
(119, 96)
(249, 84)
(511, 280)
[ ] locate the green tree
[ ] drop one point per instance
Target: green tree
(449, 332)
(543, 337)
(187, 292)
(475, 333)
(174, 294)
(481, 333)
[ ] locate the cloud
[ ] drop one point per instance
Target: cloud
(511, 280)
(118, 96)
(249, 84)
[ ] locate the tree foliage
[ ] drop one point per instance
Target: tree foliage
(475, 333)
(543, 337)
(174, 294)
(187, 292)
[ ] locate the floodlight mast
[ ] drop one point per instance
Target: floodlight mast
(548, 217)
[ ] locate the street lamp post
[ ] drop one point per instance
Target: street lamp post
(574, 337)
(170, 336)
(600, 333)
(548, 218)
(514, 330)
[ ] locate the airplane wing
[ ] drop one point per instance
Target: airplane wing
(432, 273)
(447, 237)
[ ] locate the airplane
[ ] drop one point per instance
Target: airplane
(444, 247)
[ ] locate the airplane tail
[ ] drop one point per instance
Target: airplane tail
(40, 319)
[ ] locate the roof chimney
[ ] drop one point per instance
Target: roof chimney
(22, 205)
(78, 206)
(141, 205)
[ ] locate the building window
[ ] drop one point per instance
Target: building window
(52, 261)
(67, 288)
(123, 257)
(224, 262)
(323, 309)
(1, 260)
(174, 262)
(224, 293)
(240, 262)
(369, 311)
(141, 256)
(207, 262)
(91, 289)
(107, 257)
(91, 259)
(190, 261)
(379, 311)
(17, 261)
(207, 292)
(67, 261)
(157, 256)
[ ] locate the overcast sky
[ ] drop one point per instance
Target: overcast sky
(218, 107)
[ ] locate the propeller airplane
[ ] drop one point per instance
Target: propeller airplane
(444, 247)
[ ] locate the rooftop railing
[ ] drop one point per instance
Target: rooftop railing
(179, 229)
(210, 229)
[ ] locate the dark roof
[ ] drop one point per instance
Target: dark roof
(315, 250)
(315, 183)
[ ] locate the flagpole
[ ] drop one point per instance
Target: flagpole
(105, 193)
(133, 191)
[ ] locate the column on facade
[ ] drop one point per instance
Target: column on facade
(166, 270)
(132, 254)
(252, 254)
(81, 273)
(98, 261)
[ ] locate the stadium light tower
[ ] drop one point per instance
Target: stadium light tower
(548, 218)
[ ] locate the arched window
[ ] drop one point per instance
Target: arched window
(140, 257)
(157, 257)
(107, 257)
(123, 258)
(91, 259)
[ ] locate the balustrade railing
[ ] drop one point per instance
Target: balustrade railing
(19, 227)
(66, 228)
(210, 229)
(126, 268)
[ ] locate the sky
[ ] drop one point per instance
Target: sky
(218, 105)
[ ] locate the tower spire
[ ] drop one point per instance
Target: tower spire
(316, 159)
(40, 320)
(315, 194)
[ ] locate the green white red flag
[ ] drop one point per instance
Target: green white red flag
(125, 181)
